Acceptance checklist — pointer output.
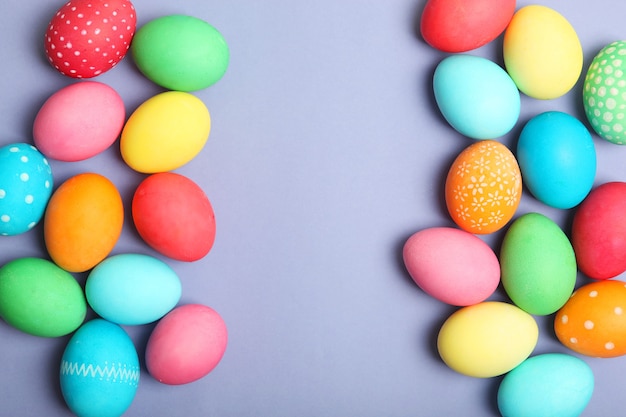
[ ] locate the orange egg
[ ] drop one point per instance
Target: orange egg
(83, 221)
(593, 321)
(483, 187)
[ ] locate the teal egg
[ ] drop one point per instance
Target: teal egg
(132, 289)
(476, 96)
(546, 385)
(538, 264)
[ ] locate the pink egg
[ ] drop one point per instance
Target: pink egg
(186, 344)
(79, 121)
(174, 216)
(452, 265)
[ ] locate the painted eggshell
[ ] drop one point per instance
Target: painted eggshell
(83, 221)
(26, 184)
(550, 384)
(483, 187)
(132, 289)
(79, 121)
(604, 93)
(476, 96)
(487, 339)
(174, 216)
(165, 132)
(99, 371)
(542, 52)
(593, 321)
(557, 158)
(186, 344)
(538, 264)
(452, 265)
(39, 298)
(86, 38)
(598, 231)
(181, 53)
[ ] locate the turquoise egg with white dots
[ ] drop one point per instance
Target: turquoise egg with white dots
(604, 93)
(25, 188)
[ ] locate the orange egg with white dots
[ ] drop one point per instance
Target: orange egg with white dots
(483, 187)
(593, 321)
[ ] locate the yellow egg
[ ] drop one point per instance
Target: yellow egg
(542, 52)
(483, 187)
(165, 132)
(487, 339)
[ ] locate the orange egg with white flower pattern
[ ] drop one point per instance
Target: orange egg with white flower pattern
(483, 187)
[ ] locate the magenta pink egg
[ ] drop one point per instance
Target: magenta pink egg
(174, 216)
(186, 344)
(79, 121)
(452, 265)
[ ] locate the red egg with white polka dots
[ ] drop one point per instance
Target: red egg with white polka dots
(86, 38)
(593, 321)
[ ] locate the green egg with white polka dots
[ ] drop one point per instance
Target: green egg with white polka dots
(604, 93)
(25, 188)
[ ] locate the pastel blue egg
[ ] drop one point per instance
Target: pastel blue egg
(132, 289)
(557, 159)
(25, 188)
(99, 371)
(476, 96)
(550, 384)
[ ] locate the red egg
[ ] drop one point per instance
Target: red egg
(88, 37)
(174, 216)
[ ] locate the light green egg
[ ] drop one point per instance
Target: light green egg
(40, 298)
(538, 264)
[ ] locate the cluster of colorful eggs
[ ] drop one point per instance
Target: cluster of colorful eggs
(84, 216)
(555, 158)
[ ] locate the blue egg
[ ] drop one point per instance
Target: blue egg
(25, 188)
(476, 96)
(100, 371)
(557, 159)
(132, 289)
(550, 384)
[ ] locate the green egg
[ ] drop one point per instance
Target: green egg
(181, 53)
(538, 264)
(40, 298)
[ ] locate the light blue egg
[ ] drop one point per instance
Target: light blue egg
(476, 96)
(99, 371)
(25, 188)
(546, 385)
(132, 289)
(557, 159)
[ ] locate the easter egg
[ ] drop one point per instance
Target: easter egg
(181, 53)
(186, 344)
(132, 289)
(593, 321)
(476, 96)
(99, 371)
(557, 158)
(462, 25)
(598, 231)
(86, 38)
(165, 132)
(538, 264)
(39, 298)
(550, 384)
(174, 216)
(83, 221)
(542, 52)
(79, 121)
(25, 187)
(452, 265)
(483, 187)
(487, 339)
(604, 93)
